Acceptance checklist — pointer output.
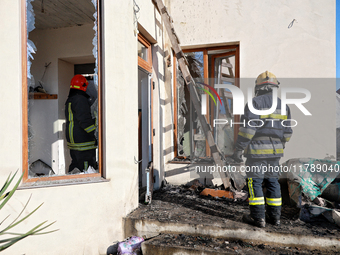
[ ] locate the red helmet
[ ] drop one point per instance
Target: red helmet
(79, 82)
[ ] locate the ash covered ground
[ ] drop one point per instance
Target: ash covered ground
(183, 204)
(225, 246)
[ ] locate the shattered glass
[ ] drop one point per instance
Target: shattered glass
(196, 68)
(183, 138)
(31, 49)
(94, 106)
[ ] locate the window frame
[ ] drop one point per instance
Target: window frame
(24, 90)
(146, 65)
(206, 76)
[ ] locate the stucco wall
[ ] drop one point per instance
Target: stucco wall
(10, 98)
(307, 49)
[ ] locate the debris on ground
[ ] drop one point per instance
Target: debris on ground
(228, 246)
(131, 246)
(312, 188)
(182, 204)
(312, 175)
(217, 193)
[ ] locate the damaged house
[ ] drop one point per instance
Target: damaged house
(145, 117)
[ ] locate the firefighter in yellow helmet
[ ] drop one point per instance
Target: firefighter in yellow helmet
(80, 127)
(263, 140)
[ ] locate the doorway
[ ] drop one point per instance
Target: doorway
(144, 123)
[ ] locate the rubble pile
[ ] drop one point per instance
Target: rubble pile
(314, 188)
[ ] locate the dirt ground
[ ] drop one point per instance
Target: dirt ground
(229, 246)
(183, 205)
(179, 203)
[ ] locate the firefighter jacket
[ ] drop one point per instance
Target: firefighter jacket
(80, 126)
(264, 136)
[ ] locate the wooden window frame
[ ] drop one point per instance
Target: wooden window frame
(206, 76)
(26, 179)
(146, 65)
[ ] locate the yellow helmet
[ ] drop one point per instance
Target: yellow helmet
(266, 78)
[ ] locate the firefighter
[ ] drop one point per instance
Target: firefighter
(263, 139)
(80, 127)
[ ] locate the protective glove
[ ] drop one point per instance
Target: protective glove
(237, 156)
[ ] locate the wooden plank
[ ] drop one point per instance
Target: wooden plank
(228, 65)
(231, 80)
(62, 177)
(226, 47)
(237, 84)
(230, 68)
(42, 96)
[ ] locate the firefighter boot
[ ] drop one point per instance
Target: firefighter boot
(260, 223)
(273, 220)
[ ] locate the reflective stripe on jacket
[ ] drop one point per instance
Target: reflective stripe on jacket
(263, 136)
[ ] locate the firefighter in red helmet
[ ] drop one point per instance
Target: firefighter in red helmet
(80, 127)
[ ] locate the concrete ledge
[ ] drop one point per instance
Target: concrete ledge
(151, 228)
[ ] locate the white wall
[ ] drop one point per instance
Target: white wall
(10, 99)
(307, 49)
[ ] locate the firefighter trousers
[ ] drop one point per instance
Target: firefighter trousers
(265, 171)
(83, 159)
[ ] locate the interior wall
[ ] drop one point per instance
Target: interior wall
(65, 74)
(52, 45)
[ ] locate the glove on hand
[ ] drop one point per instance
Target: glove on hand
(237, 156)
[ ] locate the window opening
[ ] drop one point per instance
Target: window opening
(62, 40)
(144, 53)
(207, 66)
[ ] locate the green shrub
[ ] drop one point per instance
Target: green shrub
(15, 237)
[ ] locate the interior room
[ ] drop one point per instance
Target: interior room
(63, 36)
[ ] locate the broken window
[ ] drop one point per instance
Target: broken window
(208, 66)
(62, 41)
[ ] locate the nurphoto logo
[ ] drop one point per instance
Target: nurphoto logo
(238, 105)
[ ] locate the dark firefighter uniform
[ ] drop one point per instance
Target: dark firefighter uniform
(80, 126)
(263, 139)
